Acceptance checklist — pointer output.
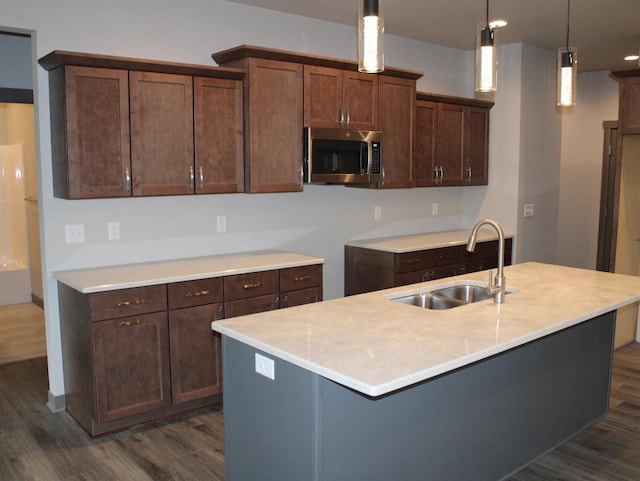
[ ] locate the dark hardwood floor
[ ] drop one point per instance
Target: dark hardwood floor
(36, 444)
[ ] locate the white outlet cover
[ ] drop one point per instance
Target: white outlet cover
(74, 234)
(265, 366)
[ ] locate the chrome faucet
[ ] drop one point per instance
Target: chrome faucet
(497, 289)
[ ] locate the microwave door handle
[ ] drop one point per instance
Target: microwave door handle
(365, 155)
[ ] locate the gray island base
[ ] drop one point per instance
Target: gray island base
(480, 422)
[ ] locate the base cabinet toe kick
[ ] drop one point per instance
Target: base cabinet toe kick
(483, 421)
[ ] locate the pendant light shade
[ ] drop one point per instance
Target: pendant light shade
(567, 74)
(370, 37)
(486, 66)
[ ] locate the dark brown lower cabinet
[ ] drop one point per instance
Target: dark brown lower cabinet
(139, 354)
(196, 370)
(367, 270)
(131, 365)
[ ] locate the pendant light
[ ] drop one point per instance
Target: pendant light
(370, 37)
(486, 77)
(567, 71)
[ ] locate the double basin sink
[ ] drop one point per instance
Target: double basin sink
(445, 297)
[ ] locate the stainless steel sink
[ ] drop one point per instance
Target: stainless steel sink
(445, 297)
(428, 301)
(464, 292)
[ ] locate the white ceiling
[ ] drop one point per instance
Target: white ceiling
(603, 31)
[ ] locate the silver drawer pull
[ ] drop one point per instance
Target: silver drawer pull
(252, 286)
(302, 278)
(413, 261)
(197, 294)
(130, 303)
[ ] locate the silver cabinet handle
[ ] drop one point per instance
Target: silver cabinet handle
(127, 180)
(435, 175)
(201, 175)
(468, 174)
(341, 121)
(348, 118)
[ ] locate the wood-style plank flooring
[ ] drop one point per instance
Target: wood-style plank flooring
(36, 444)
(22, 333)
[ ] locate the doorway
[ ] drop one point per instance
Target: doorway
(619, 232)
(20, 262)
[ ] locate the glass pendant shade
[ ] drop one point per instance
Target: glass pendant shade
(486, 68)
(567, 76)
(370, 37)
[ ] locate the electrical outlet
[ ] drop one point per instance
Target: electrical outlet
(74, 234)
(434, 208)
(265, 366)
(528, 210)
(377, 212)
(114, 230)
(221, 223)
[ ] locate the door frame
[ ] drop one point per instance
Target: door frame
(609, 202)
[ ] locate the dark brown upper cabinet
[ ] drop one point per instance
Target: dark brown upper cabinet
(340, 98)
(285, 91)
(128, 127)
(451, 146)
(397, 116)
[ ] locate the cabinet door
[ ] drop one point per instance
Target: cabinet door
(219, 154)
(161, 133)
(274, 140)
(195, 352)
(476, 146)
(424, 144)
(450, 148)
(397, 109)
(96, 162)
(322, 97)
(131, 357)
(360, 94)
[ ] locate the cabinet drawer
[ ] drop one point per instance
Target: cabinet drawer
(412, 277)
(444, 256)
(411, 261)
(253, 284)
(301, 296)
(194, 293)
(127, 302)
(302, 277)
(444, 271)
(484, 250)
(252, 305)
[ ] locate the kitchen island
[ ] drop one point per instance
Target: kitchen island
(365, 388)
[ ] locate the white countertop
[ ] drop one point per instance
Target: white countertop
(375, 346)
(162, 272)
(409, 243)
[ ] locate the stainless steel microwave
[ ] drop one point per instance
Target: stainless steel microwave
(341, 156)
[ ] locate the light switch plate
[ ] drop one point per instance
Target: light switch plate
(528, 210)
(221, 223)
(114, 230)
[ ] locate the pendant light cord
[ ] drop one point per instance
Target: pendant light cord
(487, 13)
(568, 19)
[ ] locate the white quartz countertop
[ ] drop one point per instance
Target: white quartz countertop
(375, 346)
(162, 272)
(409, 243)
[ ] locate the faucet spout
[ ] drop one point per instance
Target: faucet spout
(495, 288)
